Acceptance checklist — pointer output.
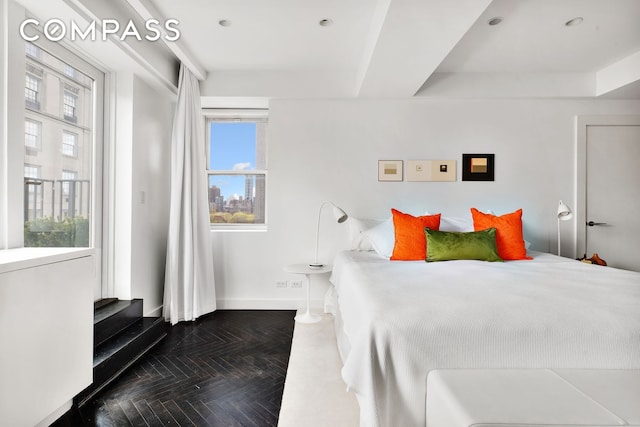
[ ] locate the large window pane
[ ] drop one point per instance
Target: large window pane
(58, 174)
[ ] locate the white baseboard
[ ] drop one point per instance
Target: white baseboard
(156, 312)
(56, 414)
(267, 304)
(255, 304)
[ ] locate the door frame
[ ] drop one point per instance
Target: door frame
(582, 123)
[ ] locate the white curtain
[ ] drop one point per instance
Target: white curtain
(189, 289)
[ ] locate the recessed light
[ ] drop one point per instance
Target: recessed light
(325, 22)
(575, 21)
(224, 23)
(495, 21)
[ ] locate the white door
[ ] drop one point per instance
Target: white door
(612, 220)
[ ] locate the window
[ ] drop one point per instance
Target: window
(33, 191)
(69, 144)
(31, 177)
(62, 193)
(32, 50)
(70, 71)
(32, 91)
(31, 171)
(237, 170)
(69, 106)
(32, 134)
(68, 178)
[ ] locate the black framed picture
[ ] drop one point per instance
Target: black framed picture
(478, 167)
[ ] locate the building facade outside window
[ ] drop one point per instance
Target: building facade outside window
(59, 139)
(237, 169)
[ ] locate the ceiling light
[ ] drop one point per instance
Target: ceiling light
(494, 21)
(575, 21)
(224, 23)
(325, 22)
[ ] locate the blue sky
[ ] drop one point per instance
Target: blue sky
(232, 147)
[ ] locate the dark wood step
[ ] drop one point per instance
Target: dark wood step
(114, 356)
(102, 302)
(114, 317)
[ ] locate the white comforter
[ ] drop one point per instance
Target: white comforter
(404, 319)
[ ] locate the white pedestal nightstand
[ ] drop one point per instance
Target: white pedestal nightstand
(305, 269)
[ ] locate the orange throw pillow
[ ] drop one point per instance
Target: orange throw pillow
(411, 242)
(509, 238)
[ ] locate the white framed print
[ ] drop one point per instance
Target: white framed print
(390, 170)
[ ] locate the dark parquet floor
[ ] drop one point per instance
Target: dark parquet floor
(225, 369)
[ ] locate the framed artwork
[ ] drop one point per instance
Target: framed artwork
(430, 170)
(390, 170)
(478, 167)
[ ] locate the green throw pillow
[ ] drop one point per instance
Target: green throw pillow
(451, 245)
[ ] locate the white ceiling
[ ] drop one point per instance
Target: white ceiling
(272, 35)
(533, 37)
(393, 47)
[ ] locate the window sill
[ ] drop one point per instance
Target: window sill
(23, 258)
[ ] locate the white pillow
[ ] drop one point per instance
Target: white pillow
(382, 238)
(448, 223)
(359, 241)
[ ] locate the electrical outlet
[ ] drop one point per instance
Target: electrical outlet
(281, 283)
(295, 283)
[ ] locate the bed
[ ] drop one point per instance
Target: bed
(397, 321)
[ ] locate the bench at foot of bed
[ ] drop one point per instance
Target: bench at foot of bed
(533, 397)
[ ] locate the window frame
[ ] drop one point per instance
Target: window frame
(33, 51)
(64, 144)
(67, 94)
(36, 168)
(70, 175)
(32, 189)
(237, 115)
(37, 102)
(38, 136)
(16, 64)
(69, 71)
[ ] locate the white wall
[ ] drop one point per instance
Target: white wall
(328, 149)
(152, 124)
(144, 117)
(46, 330)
